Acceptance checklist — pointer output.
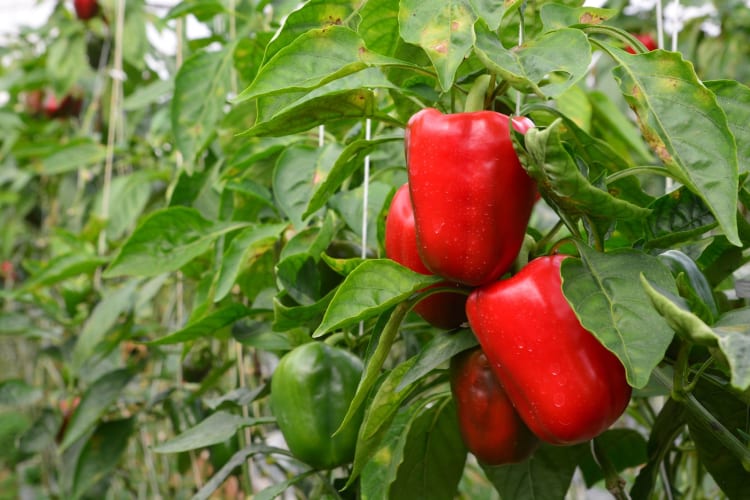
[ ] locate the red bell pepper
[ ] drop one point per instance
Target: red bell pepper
(563, 382)
(443, 310)
(472, 198)
(490, 427)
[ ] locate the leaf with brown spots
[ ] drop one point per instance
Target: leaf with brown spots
(685, 126)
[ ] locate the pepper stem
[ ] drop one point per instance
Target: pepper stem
(476, 98)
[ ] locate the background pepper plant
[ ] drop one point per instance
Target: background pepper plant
(208, 211)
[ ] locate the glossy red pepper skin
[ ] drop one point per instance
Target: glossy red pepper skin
(563, 382)
(490, 427)
(443, 310)
(471, 197)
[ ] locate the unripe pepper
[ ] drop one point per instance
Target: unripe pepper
(490, 427)
(471, 197)
(443, 310)
(563, 382)
(311, 389)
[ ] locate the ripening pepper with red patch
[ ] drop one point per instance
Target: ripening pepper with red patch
(472, 198)
(443, 310)
(566, 386)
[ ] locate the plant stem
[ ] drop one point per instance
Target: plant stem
(710, 423)
(612, 480)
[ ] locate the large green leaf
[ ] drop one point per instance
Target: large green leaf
(349, 97)
(72, 156)
(240, 251)
(63, 267)
(216, 428)
(94, 403)
(544, 476)
(556, 16)
(734, 99)
(685, 126)
(434, 456)
(380, 414)
(726, 469)
(547, 66)
(104, 316)
(299, 170)
(604, 292)
(349, 161)
(207, 326)
(380, 471)
(101, 454)
(200, 93)
(167, 240)
(493, 12)
(372, 288)
(437, 352)
(443, 28)
(561, 182)
(313, 14)
(313, 59)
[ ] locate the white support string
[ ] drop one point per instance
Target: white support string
(365, 203)
(659, 24)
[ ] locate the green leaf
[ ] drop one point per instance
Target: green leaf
(101, 453)
(207, 326)
(561, 182)
(313, 14)
(734, 99)
(380, 471)
(203, 10)
(667, 426)
(240, 251)
(372, 288)
(94, 403)
(379, 415)
(66, 61)
(493, 12)
(625, 448)
(74, 155)
(41, 435)
(684, 125)
(544, 476)
(733, 332)
(616, 128)
(556, 16)
(444, 29)
(299, 170)
(128, 198)
(17, 393)
(298, 66)
(677, 217)
(277, 489)
(434, 456)
(63, 267)
(102, 319)
(200, 94)
(167, 240)
(237, 460)
(438, 351)
(547, 66)
(726, 469)
(349, 204)
(299, 276)
(349, 161)
(604, 292)
(288, 316)
(216, 428)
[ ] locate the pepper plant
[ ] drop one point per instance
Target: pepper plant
(213, 211)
